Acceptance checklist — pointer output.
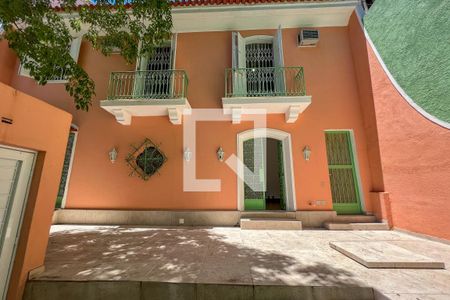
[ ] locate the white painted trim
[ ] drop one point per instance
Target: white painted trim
(233, 17)
(362, 199)
(292, 107)
(75, 47)
(255, 39)
(288, 163)
(357, 171)
(124, 110)
(23, 182)
(69, 171)
(402, 92)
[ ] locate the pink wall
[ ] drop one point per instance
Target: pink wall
(414, 153)
(8, 62)
(45, 129)
(96, 183)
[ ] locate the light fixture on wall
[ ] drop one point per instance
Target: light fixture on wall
(306, 153)
(113, 155)
(220, 154)
(187, 154)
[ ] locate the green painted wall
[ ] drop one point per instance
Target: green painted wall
(413, 38)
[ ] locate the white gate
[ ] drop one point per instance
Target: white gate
(15, 175)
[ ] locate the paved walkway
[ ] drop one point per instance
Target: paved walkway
(231, 255)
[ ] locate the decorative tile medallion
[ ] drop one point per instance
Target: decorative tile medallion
(146, 159)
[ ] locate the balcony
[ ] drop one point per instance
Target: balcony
(147, 93)
(275, 89)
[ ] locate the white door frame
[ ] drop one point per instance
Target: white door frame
(288, 164)
(17, 196)
(74, 129)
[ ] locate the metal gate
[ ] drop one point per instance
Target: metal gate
(342, 171)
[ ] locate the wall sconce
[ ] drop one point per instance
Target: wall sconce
(220, 154)
(187, 154)
(113, 155)
(306, 153)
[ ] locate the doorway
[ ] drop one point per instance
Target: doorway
(269, 186)
(342, 166)
(16, 168)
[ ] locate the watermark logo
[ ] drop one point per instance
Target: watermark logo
(255, 178)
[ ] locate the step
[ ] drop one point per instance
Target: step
(268, 215)
(270, 224)
(383, 254)
(356, 226)
(355, 219)
(146, 290)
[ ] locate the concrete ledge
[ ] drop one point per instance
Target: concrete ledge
(382, 254)
(271, 224)
(119, 290)
(356, 226)
(150, 218)
(315, 218)
(186, 218)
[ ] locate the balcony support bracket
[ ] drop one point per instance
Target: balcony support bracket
(122, 116)
(292, 113)
(175, 115)
(236, 115)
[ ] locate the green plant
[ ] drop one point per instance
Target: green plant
(40, 33)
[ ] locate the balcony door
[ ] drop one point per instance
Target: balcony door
(258, 65)
(154, 76)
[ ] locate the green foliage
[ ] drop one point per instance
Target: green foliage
(413, 38)
(40, 35)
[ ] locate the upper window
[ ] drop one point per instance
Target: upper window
(154, 76)
(60, 75)
(258, 65)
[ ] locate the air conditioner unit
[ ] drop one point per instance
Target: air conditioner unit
(308, 38)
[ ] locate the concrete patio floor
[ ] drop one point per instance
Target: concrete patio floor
(235, 256)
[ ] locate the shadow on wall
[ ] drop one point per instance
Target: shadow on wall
(182, 255)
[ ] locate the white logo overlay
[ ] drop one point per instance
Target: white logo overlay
(254, 179)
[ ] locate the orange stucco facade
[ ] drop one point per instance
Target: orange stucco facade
(330, 79)
(410, 151)
(42, 128)
(402, 161)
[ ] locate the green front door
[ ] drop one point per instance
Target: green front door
(254, 200)
(343, 177)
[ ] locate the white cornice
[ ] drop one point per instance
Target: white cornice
(258, 16)
(264, 16)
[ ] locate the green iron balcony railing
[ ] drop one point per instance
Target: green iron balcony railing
(165, 84)
(264, 82)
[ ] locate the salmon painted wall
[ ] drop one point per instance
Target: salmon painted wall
(8, 60)
(97, 183)
(413, 150)
(45, 129)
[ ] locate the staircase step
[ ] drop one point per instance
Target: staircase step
(356, 226)
(355, 219)
(268, 215)
(270, 224)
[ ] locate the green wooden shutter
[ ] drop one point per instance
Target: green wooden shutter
(342, 172)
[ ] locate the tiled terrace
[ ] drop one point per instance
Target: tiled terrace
(238, 257)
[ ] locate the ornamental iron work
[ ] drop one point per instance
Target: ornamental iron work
(146, 159)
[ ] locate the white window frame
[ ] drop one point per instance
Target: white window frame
(238, 56)
(19, 204)
(74, 53)
(142, 62)
(74, 129)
